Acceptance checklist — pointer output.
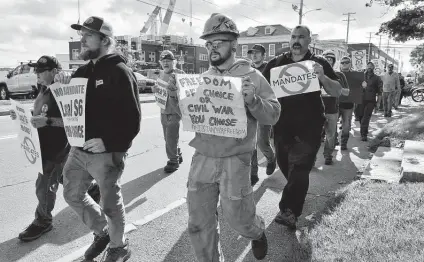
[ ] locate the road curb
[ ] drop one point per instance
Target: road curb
(7, 112)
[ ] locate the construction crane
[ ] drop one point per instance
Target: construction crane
(151, 21)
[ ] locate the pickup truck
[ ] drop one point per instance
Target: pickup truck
(20, 81)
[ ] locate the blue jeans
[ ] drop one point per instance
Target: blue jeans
(171, 133)
(346, 115)
(227, 179)
(106, 168)
(330, 128)
(387, 103)
(264, 135)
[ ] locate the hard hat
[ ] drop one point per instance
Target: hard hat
(219, 24)
(329, 53)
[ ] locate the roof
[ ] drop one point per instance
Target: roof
(260, 31)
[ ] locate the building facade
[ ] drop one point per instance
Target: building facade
(373, 52)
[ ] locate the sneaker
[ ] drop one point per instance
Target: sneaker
(286, 218)
(328, 161)
(260, 247)
(171, 167)
(270, 168)
(32, 232)
(254, 179)
(364, 138)
(118, 254)
(180, 159)
(343, 147)
(97, 247)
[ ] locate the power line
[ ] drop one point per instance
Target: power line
(236, 13)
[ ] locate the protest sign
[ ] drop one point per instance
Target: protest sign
(378, 67)
(294, 79)
(354, 79)
(212, 105)
(161, 93)
(71, 101)
(359, 60)
(27, 136)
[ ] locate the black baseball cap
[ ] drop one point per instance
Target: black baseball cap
(45, 63)
(166, 54)
(95, 24)
(257, 47)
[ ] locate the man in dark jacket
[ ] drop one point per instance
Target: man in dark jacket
(297, 134)
(372, 87)
(112, 120)
(264, 131)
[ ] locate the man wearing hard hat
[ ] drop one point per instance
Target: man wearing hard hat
(221, 165)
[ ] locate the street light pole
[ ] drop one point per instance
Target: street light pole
(301, 12)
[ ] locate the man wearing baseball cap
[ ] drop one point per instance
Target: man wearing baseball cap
(264, 131)
(171, 115)
(53, 144)
(112, 120)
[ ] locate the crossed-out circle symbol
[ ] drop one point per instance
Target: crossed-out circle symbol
(359, 55)
(303, 85)
(31, 157)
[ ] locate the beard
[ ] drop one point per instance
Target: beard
(222, 58)
(87, 54)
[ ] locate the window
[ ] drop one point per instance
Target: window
(16, 71)
(25, 69)
(244, 49)
(203, 69)
(143, 56)
(271, 49)
(152, 57)
(203, 57)
(75, 54)
(285, 45)
(268, 31)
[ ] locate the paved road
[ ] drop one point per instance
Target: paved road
(155, 202)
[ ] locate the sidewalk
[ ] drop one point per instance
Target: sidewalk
(5, 104)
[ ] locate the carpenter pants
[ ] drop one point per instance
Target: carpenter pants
(106, 168)
(296, 160)
(228, 178)
(367, 108)
(171, 133)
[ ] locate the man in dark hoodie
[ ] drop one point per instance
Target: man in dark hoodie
(264, 131)
(372, 87)
(112, 118)
(220, 168)
(297, 134)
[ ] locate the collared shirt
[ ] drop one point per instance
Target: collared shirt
(390, 82)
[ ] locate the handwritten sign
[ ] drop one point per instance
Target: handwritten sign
(161, 93)
(71, 101)
(212, 105)
(294, 79)
(27, 136)
(359, 60)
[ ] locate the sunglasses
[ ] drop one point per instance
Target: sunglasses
(345, 63)
(215, 44)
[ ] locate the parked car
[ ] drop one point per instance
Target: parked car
(20, 81)
(144, 84)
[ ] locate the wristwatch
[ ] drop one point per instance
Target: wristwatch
(49, 121)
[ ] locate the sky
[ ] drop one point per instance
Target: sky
(31, 28)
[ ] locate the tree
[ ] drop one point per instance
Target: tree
(409, 21)
(417, 55)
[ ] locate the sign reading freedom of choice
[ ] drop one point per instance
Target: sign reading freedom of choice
(27, 136)
(212, 105)
(161, 93)
(71, 101)
(294, 79)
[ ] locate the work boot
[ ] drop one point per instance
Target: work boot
(32, 232)
(260, 247)
(254, 179)
(180, 156)
(97, 247)
(286, 218)
(270, 168)
(328, 161)
(171, 167)
(118, 254)
(337, 142)
(364, 138)
(343, 147)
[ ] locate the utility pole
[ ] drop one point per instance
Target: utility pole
(191, 21)
(348, 24)
(387, 52)
(379, 47)
(300, 12)
(369, 48)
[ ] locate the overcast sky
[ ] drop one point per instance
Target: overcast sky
(31, 28)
